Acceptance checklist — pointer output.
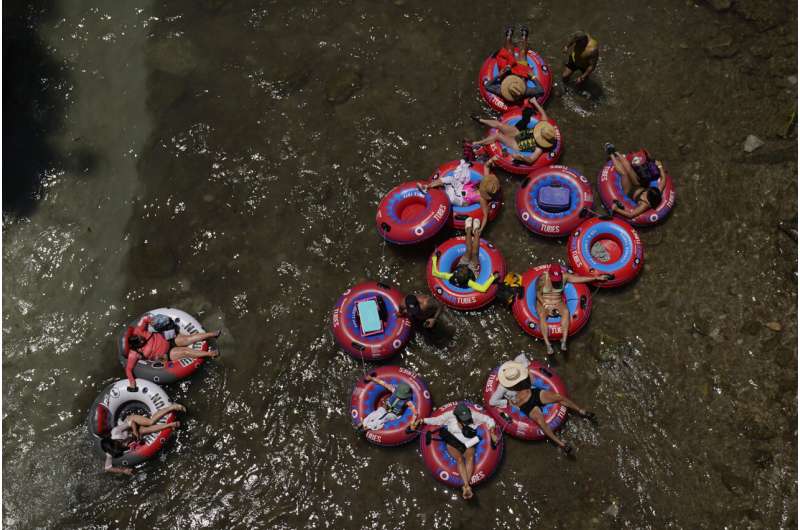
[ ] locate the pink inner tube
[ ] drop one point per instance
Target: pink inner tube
(520, 425)
(618, 248)
(407, 216)
(609, 185)
(577, 296)
(489, 71)
(448, 255)
(442, 464)
(396, 332)
(536, 217)
(507, 163)
(461, 213)
(368, 396)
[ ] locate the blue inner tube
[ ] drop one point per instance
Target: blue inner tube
(549, 180)
(606, 228)
(570, 293)
(450, 257)
(474, 177)
(374, 394)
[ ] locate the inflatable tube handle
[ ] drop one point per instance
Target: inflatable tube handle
(583, 301)
(359, 347)
(438, 253)
(526, 182)
(547, 372)
(611, 277)
(385, 227)
(428, 437)
(382, 286)
(461, 217)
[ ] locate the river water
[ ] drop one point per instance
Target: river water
(228, 157)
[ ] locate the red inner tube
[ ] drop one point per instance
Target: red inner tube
(577, 296)
(448, 253)
(396, 332)
(368, 396)
(443, 466)
(407, 216)
(553, 224)
(507, 163)
(610, 188)
(520, 425)
(461, 213)
(489, 70)
(606, 247)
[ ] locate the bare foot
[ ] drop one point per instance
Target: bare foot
(467, 492)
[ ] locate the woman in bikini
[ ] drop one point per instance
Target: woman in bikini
(637, 174)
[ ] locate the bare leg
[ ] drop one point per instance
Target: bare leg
(469, 462)
(492, 138)
(553, 397)
(462, 470)
(159, 427)
(566, 74)
(536, 415)
(564, 325)
(144, 421)
(630, 181)
(499, 125)
(508, 140)
(188, 340)
(543, 325)
(182, 352)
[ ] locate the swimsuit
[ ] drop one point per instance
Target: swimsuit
(526, 141)
(534, 401)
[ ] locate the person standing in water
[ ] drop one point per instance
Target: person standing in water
(582, 54)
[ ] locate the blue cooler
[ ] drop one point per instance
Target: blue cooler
(553, 199)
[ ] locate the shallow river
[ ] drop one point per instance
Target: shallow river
(228, 158)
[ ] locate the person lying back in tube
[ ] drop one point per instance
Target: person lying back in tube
(459, 432)
(519, 137)
(637, 172)
(154, 346)
(511, 83)
(393, 408)
(127, 433)
(462, 191)
(468, 268)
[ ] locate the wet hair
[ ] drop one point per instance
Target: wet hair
(112, 447)
(581, 38)
(461, 276)
(135, 342)
(654, 197)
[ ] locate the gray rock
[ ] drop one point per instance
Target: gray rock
(720, 5)
(343, 86)
(752, 142)
(612, 510)
(174, 56)
(722, 46)
(792, 79)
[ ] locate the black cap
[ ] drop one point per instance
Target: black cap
(412, 306)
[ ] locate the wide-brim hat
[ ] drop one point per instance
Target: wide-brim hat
(511, 373)
(512, 88)
(489, 185)
(403, 390)
(545, 134)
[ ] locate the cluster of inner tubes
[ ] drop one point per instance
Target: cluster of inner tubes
(118, 401)
(552, 201)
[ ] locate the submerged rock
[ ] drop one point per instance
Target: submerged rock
(774, 326)
(752, 142)
(343, 86)
(720, 5)
(722, 46)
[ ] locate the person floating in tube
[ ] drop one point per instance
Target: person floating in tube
(394, 407)
(511, 83)
(421, 308)
(154, 346)
(516, 389)
(462, 191)
(550, 300)
(468, 268)
(459, 430)
(539, 140)
(637, 171)
(582, 54)
(127, 433)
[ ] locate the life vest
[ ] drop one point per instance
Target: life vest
(395, 405)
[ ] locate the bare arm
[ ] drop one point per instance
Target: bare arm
(641, 207)
(539, 109)
(529, 159)
(381, 382)
(108, 468)
(577, 278)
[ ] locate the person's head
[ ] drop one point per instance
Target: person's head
(135, 342)
(462, 275)
(403, 391)
(513, 374)
(112, 447)
(489, 185)
(512, 88)
(463, 414)
(556, 275)
(654, 197)
(412, 306)
(581, 39)
(545, 134)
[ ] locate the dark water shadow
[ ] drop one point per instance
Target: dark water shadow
(32, 108)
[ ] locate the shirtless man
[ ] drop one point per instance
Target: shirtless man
(421, 308)
(550, 300)
(583, 52)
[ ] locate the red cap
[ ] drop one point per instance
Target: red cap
(555, 273)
